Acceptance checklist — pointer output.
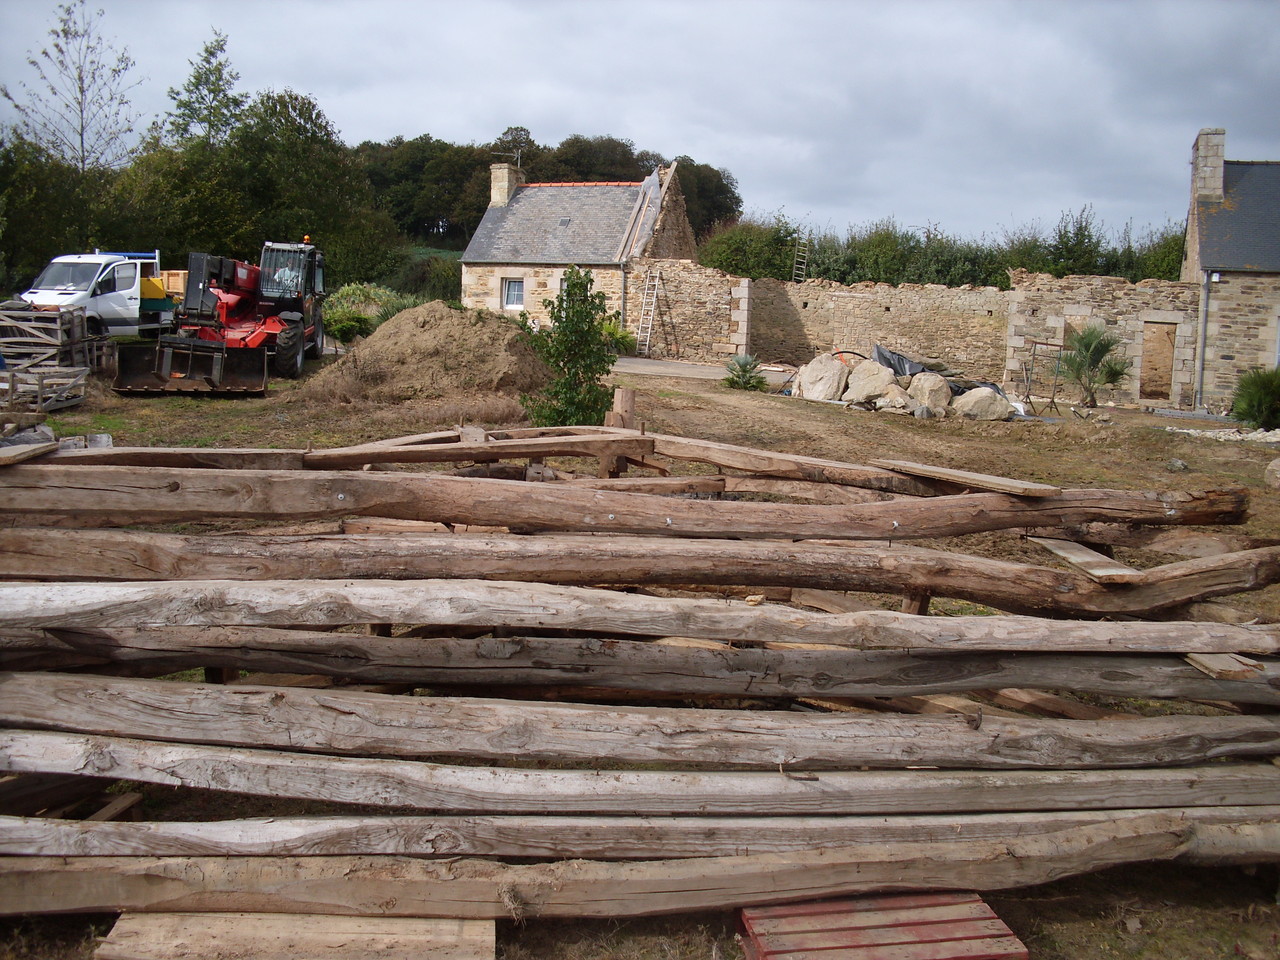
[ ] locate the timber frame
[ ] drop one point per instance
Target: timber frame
(627, 667)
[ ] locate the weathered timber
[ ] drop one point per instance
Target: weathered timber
(187, 457)
(294, 603)
(595, 838)
(121, 495)
(1092, 564)
(1019, 588)
(400, 886)
(606, 445)
(348, 722)
(630, 665)
(441, 787)
(799, 489)
(19, 452)
(1179, 542)
(276, 936)
(973, 481)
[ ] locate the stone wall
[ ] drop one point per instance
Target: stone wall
(672, 236)
(1241, 333)
(482, 286)
(702, 315)
(1043, 310)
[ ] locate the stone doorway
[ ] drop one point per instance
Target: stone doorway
(1156, 382)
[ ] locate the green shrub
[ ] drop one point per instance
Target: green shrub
(1257, 399)
(344, 324)
(1090, 361)
(431, 278)
(621, 340)
(575, 347)
(744, 374)
(389, 309)
(364, 298)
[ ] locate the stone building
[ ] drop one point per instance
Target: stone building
(532, 232)
(1233, 254)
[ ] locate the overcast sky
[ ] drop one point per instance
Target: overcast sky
(973, 115)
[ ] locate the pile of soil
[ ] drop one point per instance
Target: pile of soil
(435, 351)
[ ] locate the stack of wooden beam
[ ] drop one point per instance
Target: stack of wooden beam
(524, 660)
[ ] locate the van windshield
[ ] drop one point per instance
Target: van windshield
(66, 276)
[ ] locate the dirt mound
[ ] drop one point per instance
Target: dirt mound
(434, 351)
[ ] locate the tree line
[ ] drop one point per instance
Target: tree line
(224, 170)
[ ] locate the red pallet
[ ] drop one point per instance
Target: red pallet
(930, 926)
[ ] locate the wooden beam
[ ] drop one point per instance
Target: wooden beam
(406, 886)
(607, 445)
(18, 452)
(347, 722)
(1092, 564)
(1179, 542)
(293, 603)
(636, 666)
(277, 936)
(596, 838)
(225, 458)
(133, 555)
(371, 781)
(972, 481)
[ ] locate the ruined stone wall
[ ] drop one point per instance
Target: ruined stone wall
(672, 236)
(963, 326)
(702, 315)
(1044, 310)
(1241, 333)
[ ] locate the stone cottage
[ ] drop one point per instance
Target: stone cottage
(532, 232)
(1233, 253)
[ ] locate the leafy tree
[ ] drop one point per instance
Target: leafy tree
(751, 248)
(710, 195)
(1077, 245)
(206, 106)
(36, 187)
(577, 349)
(1257, 399)
(1089, 360)
(80, 109)
(600, 158)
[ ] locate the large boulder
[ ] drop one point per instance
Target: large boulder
(868, 380)
(1272, 473)
(822, 378)
(983, 404)
(896, 400)
(931, 390)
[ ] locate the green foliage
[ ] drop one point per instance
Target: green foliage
(621, 340)
(576, 349)
(744, 373)
(1089, 360)
(398, 305)
(35, 188)
(366, 298)
(752, 248)
(207, 107)
(1257, 399)
(344, 324)
(710, 195)
(430, 277)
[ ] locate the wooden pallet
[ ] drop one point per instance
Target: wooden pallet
(285, 936)
(930, 926)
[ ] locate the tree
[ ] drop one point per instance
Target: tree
(576, 347)
(1089, 360)
(751, 248)
(80, 110)
(207, 106)
(710, 195)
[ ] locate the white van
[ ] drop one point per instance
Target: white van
(122, 293)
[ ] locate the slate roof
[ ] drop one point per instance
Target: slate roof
(568, 223)
(1243, 232)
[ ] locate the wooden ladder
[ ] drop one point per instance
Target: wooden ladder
(800, 268)
(648, 310)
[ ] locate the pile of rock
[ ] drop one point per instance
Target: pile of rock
(871, 386)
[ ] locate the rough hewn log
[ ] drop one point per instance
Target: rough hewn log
(595, 838)
(1183, 543)
(604, 445)
(226, 458)
(388, 886)
(131, 555)
(289, 603)
(441, 787)
(629, 665)
(120, 495)
(348, 722)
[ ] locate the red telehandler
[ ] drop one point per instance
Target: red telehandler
(236, 322)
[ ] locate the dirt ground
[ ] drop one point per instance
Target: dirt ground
(1144, 911)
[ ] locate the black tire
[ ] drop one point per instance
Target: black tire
(290, 345)
(315, 348)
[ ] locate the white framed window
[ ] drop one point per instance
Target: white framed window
(513, 294)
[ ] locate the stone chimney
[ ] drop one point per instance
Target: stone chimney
(505, 180)
(1207, 158)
